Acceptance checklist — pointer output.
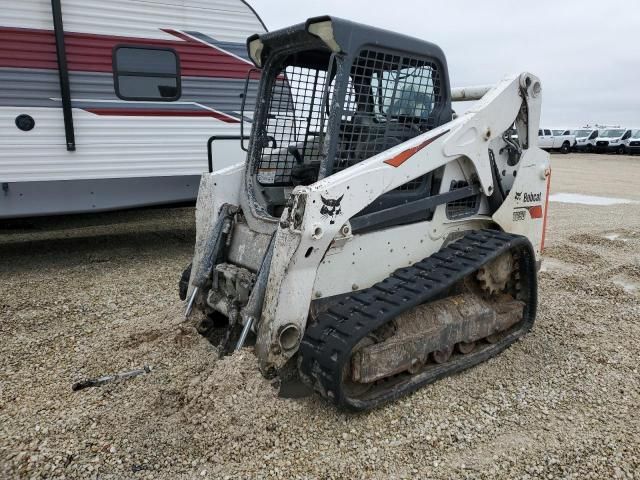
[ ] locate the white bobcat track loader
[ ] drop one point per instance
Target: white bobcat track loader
(371, 243)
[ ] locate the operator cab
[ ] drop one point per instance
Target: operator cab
(336, 93)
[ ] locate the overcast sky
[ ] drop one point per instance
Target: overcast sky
(587, 53)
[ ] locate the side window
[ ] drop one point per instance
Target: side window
(146, 73)
(547, 132)
(594, 135)
(627, 135)
(540, 133)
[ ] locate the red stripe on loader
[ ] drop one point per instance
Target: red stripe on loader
(410, 152)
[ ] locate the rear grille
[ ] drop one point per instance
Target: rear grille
(465, 207)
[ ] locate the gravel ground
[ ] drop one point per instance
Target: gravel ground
(88, 295)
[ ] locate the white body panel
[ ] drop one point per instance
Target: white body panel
(395, 247)
(229, 20)
(111, 147)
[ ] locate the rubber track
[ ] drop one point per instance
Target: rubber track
(327, 345)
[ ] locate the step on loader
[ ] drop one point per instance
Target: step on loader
(373, 241)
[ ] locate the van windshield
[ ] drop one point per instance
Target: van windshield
(583, 133)
(612, 133)
(636, 134)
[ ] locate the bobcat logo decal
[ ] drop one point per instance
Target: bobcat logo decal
(331, 208)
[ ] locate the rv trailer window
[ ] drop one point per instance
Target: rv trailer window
(146, 73)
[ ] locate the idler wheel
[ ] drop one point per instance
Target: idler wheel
(442, 356)
(466, 347)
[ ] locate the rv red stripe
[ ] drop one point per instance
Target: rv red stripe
(31, 48)
(161, 112)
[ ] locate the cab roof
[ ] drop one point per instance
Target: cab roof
(339, 35)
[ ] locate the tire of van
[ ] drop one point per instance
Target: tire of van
(621, 150)
(565, 148)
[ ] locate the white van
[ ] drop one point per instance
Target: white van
(612, 140)
(586, 139)
(632, 144)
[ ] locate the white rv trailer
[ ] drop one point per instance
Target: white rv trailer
(111, 104)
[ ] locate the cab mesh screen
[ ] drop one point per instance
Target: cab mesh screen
(293, 124)
(389, 99)
(392, 100)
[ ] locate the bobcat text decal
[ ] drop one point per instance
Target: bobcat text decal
(528, 197)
